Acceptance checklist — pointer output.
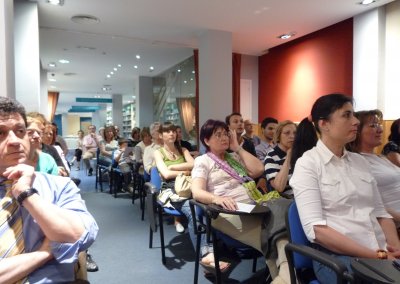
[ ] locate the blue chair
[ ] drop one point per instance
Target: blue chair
(154, 208)
(100, 170)
(202, 225)
(300, 254)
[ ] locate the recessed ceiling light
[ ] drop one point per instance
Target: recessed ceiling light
(115, 69)
(85, 19)
(137, 56)
(56, 2)
(53, 87)
(179, 70)
(367, 2)
(108, 76)
(136, 67)
(112, 73)
(63, 61)
(151, 68)
(193, 72)
(185, 81)
(287, 36)
(119, 65)
(52, 80)
(52, 64)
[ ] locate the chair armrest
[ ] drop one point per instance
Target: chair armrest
(150, 188)
(337, 266)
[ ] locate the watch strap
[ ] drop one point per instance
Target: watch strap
(25, 194)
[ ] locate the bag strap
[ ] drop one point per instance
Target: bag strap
(227, 167)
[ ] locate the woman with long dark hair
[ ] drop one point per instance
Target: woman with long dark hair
(338, 201)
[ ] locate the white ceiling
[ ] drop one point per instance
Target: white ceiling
(164, 32)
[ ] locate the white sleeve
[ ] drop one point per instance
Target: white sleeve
(307, 194)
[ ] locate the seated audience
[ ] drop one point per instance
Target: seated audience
(42, 162)
(277, 162)
(172, 160)
(49, 138)
(249, 133)
(235, 122)
(185, 144)
(90, 145)
(124, 162)
(107, 145)
(56, 223)
(78, 151)
(145, 137)
(148, 155)
(59, 140)
(268, 126)
(135, 137)
(220, 177)
(392, 149)
(338, 201)
(386, 174)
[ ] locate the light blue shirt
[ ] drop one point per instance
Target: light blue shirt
(62, 192)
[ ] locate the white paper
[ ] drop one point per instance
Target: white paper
(244, 207)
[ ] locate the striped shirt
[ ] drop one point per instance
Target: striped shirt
(273, 163)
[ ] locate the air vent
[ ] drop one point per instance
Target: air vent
(69, 74)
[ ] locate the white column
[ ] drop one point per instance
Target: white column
(117, 110)
(26, 44)
(7, 79)
(215, 75)
(144, 102)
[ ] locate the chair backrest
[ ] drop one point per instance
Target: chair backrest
(155, 178)
(297, 236)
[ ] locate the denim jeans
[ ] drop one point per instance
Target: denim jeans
(205, 248)
(324, 274)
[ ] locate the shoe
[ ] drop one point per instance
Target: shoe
(90, 172)
(91, 265)
(209, 268)
(179, 228)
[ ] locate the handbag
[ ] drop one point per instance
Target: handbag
(183, 185)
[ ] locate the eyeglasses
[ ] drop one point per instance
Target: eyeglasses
(375, 125)
(219, 135)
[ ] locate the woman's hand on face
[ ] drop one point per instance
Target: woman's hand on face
(226, 203)
(233, 141)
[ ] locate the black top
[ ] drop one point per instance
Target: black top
(187, 145)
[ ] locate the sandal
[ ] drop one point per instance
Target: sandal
(209, 268)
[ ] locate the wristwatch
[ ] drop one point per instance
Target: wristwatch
(25, 194)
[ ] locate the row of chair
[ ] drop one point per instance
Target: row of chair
(298, 251)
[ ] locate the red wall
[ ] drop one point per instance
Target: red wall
(293, 75)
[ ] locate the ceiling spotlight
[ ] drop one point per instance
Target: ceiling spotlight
(52, 80)
(185, 82)
(193, 72)
(151, 69)
(367, 2)
(119, 65)
(137, 56)
(115, 69)
(287, 36)
(179, 70)
(112, 73)
(63, 61)
(52, 64)
(136, 67)
(56, 2)
(108, 76)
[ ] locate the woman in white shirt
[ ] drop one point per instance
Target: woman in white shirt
(386, 174)
(339, 204)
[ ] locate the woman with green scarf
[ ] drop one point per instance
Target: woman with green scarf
(225, 179)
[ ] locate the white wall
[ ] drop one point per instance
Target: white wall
(249, 76)
(26, 48)
(7, 79)
(376, 60)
